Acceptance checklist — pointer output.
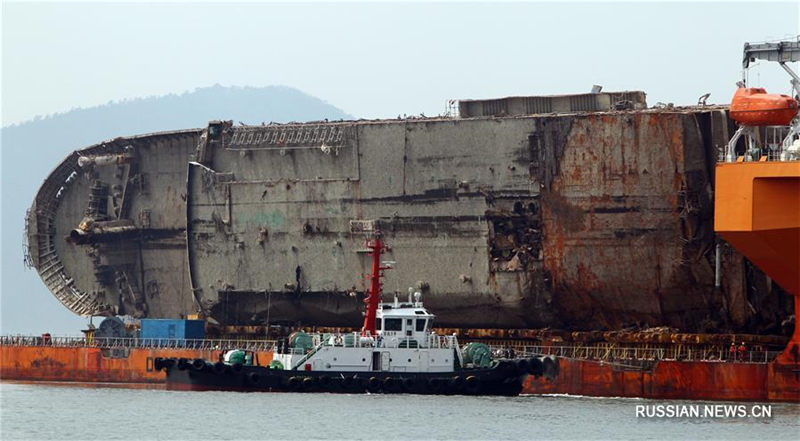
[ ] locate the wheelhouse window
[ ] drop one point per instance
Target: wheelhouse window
(393, 324)
(420, 325)
(378, 324)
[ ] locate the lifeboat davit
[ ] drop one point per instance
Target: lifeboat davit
(753, 106)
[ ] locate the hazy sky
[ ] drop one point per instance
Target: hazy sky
(378, 60)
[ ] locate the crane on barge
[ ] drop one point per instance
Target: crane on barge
(753, 107)
(757, 195)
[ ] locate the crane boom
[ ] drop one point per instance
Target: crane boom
(782, 52)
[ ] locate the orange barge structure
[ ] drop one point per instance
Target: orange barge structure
(120, 361)
(594, 370)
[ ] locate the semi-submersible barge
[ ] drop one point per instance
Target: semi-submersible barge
(585, 212)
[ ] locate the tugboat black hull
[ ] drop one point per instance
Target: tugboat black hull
(502, 379)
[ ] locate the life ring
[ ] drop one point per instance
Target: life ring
(219, 367)
(158, 363)
(294, 383)
(409, 383)
(309, 382)
(337, 340)
(253, 378)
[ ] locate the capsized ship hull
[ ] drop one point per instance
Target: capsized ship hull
(594, 220)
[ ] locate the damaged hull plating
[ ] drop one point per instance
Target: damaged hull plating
(578, 221)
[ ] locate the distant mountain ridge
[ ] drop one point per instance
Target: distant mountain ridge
(31, 149)
(250, 105)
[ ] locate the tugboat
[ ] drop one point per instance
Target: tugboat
(395, 352)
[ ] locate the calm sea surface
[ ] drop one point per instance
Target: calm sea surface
(38, 411)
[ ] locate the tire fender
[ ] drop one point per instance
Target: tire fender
(199, 364)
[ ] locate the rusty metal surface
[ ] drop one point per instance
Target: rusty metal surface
(699, 380)
(583, 221)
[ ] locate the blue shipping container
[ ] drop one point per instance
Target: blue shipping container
(172, 329)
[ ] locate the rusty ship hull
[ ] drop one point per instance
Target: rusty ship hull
(576, 220)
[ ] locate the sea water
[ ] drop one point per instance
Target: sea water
(49, 411)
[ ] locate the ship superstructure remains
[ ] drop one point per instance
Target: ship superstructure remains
(597, 217)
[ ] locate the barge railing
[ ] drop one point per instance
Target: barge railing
(144, 343)
(675, 352)
(607, 353)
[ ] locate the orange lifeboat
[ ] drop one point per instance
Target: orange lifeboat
(753, 106)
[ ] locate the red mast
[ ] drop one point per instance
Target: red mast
(374, 294)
